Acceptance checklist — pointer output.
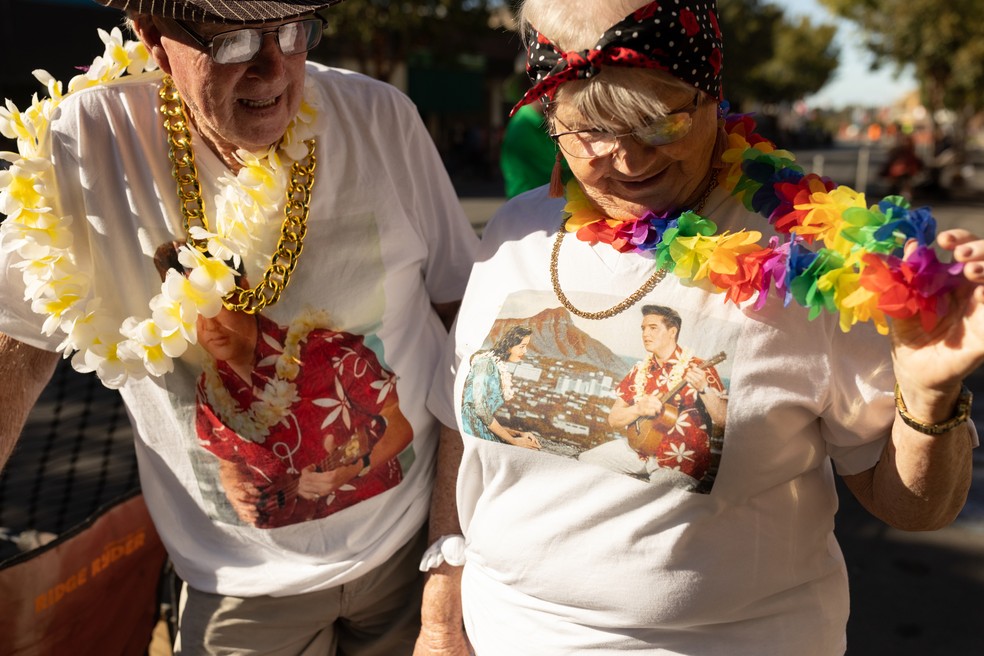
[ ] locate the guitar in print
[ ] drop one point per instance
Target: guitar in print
(646, 433)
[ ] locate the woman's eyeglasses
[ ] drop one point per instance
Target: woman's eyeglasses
(591, 143)
(240, 46)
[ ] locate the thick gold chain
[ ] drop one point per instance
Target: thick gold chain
(296, 210)
(636, 296)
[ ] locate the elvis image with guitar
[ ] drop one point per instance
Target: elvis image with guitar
(673, 406)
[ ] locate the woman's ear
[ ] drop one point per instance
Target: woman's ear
(148, 31)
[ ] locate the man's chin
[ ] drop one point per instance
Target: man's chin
(258, 135)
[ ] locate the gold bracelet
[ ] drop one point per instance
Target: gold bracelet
(962, 414)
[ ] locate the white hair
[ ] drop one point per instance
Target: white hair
(620, 96)
(575, 24)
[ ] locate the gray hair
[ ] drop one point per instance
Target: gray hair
(618, 98)
(575, 24)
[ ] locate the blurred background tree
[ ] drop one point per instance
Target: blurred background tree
(770, 59)
(380, 35)
(944, 41)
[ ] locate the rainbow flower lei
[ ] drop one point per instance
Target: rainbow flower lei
(858, 272)
(117, 348)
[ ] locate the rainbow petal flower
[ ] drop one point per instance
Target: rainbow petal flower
(689, 225)
(605, 232)
(862, 305)
(748, 277)
(863, 227)
(729, 247)
(774, 273)
(581, 212)
(906, 223)
(786, 217)
(915, 287)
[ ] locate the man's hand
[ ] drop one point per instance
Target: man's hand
(315, 485)
(648, 405)
(696, 378)
(243, 495)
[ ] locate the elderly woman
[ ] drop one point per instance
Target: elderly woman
(790, 278)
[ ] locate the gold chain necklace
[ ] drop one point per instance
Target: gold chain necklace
(636, 296)
(296, 210)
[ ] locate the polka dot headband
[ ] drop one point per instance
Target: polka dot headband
(680, 37)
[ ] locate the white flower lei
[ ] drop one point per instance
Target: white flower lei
(57, 288)
(674, 377)
(278, 395)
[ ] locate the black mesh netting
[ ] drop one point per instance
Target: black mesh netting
(75, 455)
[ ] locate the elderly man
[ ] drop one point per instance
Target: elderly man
(205, 151)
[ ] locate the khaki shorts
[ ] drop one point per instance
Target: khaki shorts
(377, 614)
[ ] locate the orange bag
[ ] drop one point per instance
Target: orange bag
(93, 590)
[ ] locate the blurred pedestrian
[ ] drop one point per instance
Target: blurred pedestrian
(902, 166)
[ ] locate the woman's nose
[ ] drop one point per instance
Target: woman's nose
(630, 155)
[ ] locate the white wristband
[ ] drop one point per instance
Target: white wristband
(448, 548)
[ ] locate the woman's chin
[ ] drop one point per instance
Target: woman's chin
(625, 209)
(623, 202)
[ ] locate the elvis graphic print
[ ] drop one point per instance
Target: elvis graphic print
(643, 393)
(288, 413)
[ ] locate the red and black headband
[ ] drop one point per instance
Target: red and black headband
(679, 37)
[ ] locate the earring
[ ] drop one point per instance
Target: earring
(556, 182)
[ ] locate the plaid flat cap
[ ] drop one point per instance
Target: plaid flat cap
(224, 11)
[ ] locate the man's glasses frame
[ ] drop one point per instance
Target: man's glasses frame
(217, 46)
(591, 143)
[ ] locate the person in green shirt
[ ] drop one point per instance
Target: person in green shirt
(528, 153)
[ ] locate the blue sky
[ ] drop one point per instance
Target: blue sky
(852, 82)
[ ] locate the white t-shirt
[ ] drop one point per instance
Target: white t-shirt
(386, 237)
(591, 545)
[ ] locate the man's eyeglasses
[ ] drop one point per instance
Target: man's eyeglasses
(593, 142)
(243, 45)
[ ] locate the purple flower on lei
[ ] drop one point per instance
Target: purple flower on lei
(774, 274)
(647, 232)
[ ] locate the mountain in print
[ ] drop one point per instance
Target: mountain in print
(556, 337)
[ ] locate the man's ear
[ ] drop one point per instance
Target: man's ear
(148, 31)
